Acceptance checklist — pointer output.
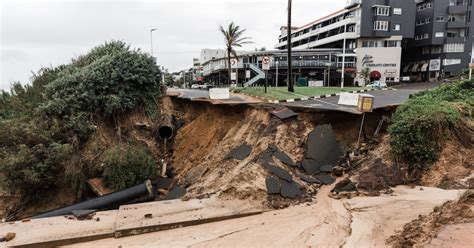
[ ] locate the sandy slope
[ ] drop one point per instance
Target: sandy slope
(357, 222)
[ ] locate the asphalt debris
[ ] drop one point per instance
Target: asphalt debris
(279, 172)
(322, 149)
(345, 185)
(284, 158)
(326, 168)
(284, 113)
(239, 153)
(273, 185)
(85, 214)
(324, 178)
(175, 193)
(308, 179)
(290, 189)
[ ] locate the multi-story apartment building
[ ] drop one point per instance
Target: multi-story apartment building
(373, 32)
(442, 45)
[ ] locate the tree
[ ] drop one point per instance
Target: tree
(288, 34)
(365, 74)
(233, 37)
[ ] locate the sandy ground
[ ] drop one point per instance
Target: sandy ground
(357, 222)
(459, 236)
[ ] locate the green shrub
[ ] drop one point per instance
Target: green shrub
(126, 166)
(43, 122)
(421, 125)
(110, 80)
(33, 171)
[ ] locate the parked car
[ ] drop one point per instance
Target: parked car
(377, 85)
(195, 86)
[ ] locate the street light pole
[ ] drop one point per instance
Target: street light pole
(151, 40)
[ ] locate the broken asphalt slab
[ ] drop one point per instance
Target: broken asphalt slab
(325, 178)
(284, 158)
(290, 189)
(279, 172)
(240, 152)
(175, 193)
(284, 113)
(308, 179)
(322, 149)
(273, 185)
(345, 185)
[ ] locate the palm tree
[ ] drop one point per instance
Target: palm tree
(233, 37)
(288, 34)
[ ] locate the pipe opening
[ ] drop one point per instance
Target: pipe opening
(165, 132)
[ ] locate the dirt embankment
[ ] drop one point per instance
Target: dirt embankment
(211, 131)
(446, 220)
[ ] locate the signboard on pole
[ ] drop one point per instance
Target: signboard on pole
(266, 63)
(233, 63)
(435, 64)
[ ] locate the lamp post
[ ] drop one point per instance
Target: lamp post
(151, 39)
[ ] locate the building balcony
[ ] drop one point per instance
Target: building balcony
(458, 9)
(456, 24)
(455, 39)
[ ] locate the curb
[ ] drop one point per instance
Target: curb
(311, 97)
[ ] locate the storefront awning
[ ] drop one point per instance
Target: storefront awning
(405, 69)
(424, 67)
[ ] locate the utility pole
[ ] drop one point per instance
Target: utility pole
(288, 35)
(343, 57)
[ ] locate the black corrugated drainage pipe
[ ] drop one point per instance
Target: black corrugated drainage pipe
(167, 127)
(104, 202)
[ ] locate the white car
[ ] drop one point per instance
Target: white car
(195, 86)
(377, 85)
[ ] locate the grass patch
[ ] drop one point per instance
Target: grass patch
(420, 126)
(281, 93)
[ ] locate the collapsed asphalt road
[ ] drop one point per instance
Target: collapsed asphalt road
(383, 98)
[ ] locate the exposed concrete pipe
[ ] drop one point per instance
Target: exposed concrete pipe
(167, 128)
(104, 202)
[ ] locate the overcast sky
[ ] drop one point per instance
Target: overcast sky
(40, 33)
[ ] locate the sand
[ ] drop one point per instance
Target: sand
(357, 222)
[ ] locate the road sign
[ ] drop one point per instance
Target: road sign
(266, 63)
(471, 65)
(233, 63)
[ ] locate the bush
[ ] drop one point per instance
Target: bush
(421, 125)
(42, 123)
(129, 165)
(110, 80)
(35, 170)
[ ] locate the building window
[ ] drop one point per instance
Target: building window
(436, 49)
(440, 19)
(396, 27)
(382, 11)
(425, 50)
(454, 48)
(391, 43)
(439, 34)
(370, 43)
(381, 25)
(422, 7)
(397, 11)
